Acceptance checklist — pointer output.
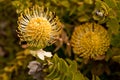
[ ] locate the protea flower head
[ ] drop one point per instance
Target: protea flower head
(90, 40)
(38, 27)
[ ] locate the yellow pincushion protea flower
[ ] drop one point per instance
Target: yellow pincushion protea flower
(90, 40)
(38, 27)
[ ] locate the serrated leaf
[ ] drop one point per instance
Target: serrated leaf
(69, 76)
(55, 59)
(55, 72)
(63, 66)
(62, 77)
(73, 67)
(63, 71)
(52, 73)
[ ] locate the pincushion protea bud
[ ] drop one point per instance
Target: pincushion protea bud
(38, 27)
(90, 40)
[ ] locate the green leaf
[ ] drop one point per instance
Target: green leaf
(65, 3)
(63, 66)
(115, 41)
(61, 70)
(88, 1)
(79, 76)
(69, 76)
(84, 18)
(108, 55)
(95, 77)
(116, 58)
(52, 73)
(73, 67)
(111, 3)
(113, 25)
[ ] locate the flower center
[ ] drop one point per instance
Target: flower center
(90, 40)
(38, 31)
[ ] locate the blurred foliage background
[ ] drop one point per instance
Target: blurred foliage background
(15, 58)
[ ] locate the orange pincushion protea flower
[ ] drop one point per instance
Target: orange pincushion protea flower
(38, 27)
(90, 40)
